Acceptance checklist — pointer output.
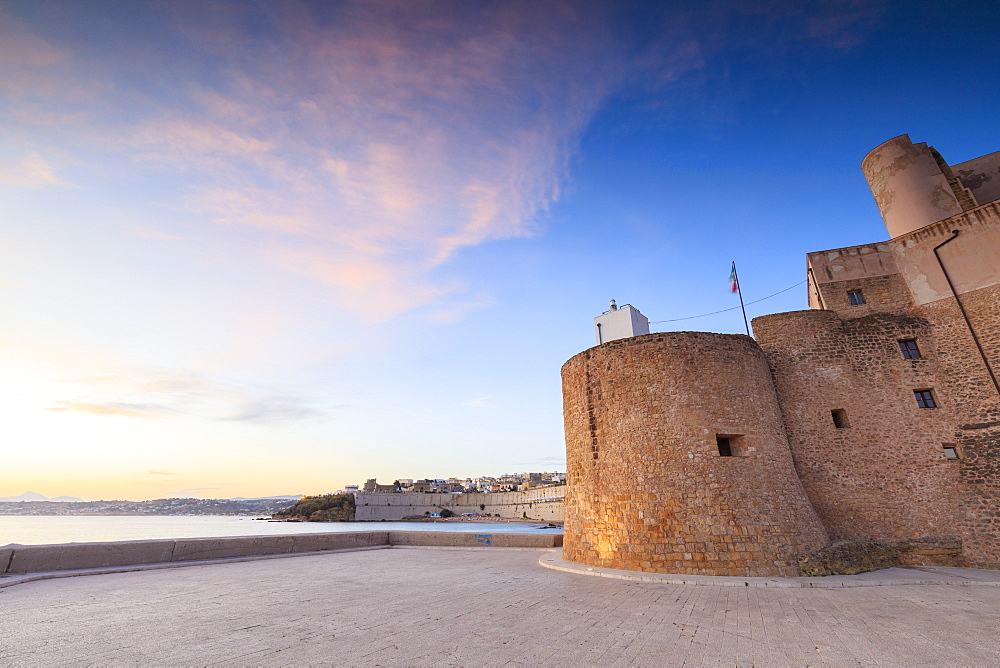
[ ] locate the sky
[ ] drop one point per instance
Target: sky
(265, 248)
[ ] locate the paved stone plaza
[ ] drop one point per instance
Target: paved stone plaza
(430, 606)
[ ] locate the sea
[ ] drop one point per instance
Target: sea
(49, 530)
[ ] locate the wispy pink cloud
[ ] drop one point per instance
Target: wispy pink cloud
(110, 409)
(32, 171)
(482, 402)
(843, 25)
(152, 233)
(368, 286)
(153, 394)
(35, 72)
(20, 48)
(360, 145)
(451, 310)
(391, 135)
(182, 141)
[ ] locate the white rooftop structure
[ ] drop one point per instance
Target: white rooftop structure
(620, 323)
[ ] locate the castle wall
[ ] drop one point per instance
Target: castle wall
(876, 412)
(855, 262)
(882, 291)
(981, 176)
(850, 357)
(976, 429)
(647, 487)
(882, 472)
(972, 259)
(544, 504)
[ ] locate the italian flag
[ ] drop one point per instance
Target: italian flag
(733, 284)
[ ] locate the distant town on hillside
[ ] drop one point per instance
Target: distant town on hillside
(509, 482)
(31, 503)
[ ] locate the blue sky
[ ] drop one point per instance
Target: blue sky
(250, 249)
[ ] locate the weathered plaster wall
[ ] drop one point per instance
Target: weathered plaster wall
(909, 187)
(545, 503)
(842, 264)
(981, 176)
(972, 260)
(647, 487)
(871, 269)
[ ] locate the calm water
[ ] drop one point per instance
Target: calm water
(44, 530)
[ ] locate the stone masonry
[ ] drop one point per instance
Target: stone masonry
(650, 491)
(873, 416)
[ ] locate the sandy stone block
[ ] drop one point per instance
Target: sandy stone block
(6, 552)
(317, 542)
(194, 549)
(74, 556)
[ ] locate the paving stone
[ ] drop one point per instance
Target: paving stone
(469, 607)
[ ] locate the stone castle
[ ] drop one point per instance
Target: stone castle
(875, 415)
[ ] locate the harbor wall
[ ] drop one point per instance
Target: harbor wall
(21, 559)
(543, 504)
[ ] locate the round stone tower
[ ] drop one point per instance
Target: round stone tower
(677, 460)
(913, 186)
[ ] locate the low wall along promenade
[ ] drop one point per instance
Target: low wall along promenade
(543, 504)
(22, 559)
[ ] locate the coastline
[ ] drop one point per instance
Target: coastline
(491, 520)
(421, 520)
(46, 530)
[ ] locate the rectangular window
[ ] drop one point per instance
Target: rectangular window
(855, 297)
(909, 349)
(840, 418)
(924, 398)
(950, 452)
(731, 445)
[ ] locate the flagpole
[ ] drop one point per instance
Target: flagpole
(739, 291)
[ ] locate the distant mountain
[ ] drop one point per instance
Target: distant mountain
(250, 507)
(27, 496)
(32, 496)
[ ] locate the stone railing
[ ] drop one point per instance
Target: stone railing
(21, 559)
